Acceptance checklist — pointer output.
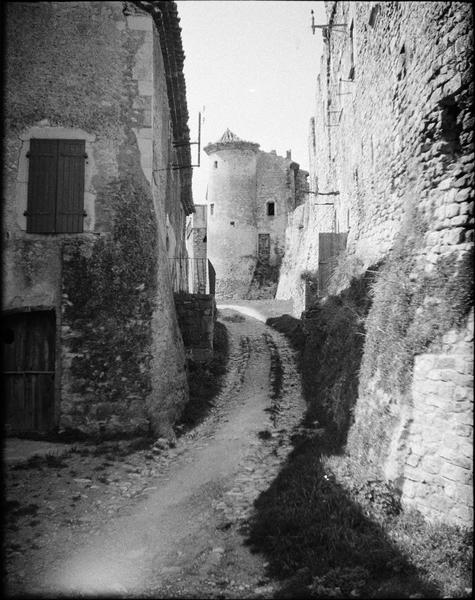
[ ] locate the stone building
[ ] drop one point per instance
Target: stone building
(391, 146)
(250, 193)
(196, 245)
(97, 188)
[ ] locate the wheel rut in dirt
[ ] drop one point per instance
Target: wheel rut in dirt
(186, 539)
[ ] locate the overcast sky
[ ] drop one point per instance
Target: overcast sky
(253, 65)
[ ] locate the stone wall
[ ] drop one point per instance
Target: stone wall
(196, 317)
(438, 461)
(391, 141)
(84, 70)
(275, 183)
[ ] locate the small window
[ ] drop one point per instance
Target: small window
(450, 127)
(402, 63)
(211, 209)
(55, 186)
(231, 223)
(215, 164)
(351, 74)
(270, 209)
(373, 17)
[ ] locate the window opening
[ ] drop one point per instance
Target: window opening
(231, 223)
(351, 74)
(270, 209)
(211, 209)
(56, 186)
(401, 72)
(215, 164)
(373, 17)
(450, 129)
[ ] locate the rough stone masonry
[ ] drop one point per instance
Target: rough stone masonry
(392, 138)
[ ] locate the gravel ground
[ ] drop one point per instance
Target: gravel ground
(161, 522)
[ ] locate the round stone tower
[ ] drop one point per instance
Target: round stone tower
(232, 220)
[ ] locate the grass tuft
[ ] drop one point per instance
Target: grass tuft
(237, 318)
(37, 461)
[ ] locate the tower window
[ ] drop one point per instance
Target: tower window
(402, 62)
(270, 209)
(215, 164)
(373, 17)
(211, 209)
(351, 74)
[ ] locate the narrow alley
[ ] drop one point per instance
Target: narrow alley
(173, 523)
(237, 322)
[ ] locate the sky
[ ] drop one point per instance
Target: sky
(253, 66)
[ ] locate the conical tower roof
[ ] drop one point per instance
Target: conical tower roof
(229, 136)
(230, 140)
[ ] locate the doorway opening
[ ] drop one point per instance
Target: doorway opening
(28, 345)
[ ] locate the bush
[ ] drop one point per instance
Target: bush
(332, 354)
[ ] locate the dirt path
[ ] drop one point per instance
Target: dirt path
(185, 538)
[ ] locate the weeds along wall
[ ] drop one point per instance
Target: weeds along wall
(86, 70)
(392, 134)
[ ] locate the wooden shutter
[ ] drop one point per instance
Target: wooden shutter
(329, 247)
(56, 186)
(43, 158)
(70, 188)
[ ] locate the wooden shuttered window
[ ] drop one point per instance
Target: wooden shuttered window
(56, 186)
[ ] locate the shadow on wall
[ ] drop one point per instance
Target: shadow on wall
(320, 542)
(330, 339)
(317, 539)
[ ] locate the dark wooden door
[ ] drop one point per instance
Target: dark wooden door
(28, 344)
(330, 245)
(264, 247)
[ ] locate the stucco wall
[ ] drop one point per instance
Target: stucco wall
(301, 250)
(395, 140)
(232, 233)
(274, 184)
(84, 70)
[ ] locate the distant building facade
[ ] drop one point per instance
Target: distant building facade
(196, 245)
(250, 193)
(96, 197)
